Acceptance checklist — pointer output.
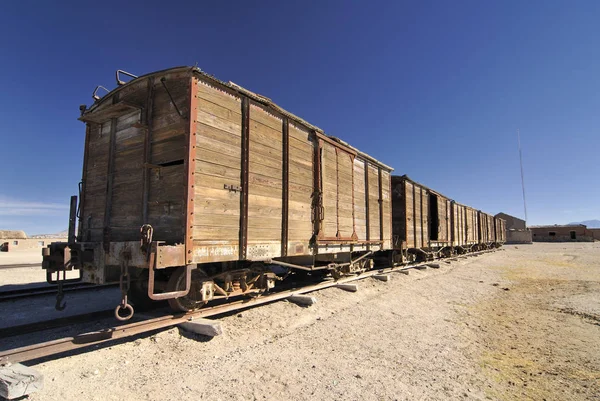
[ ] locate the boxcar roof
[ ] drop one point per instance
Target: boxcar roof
(254, 96)
(407, 178)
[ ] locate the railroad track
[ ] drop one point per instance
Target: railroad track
(10, 295)
(113, 333)
(20, 265)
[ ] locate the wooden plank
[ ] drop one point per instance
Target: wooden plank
(203, 143)
(266, 136)
(218, 96)
(208, 156)
(206, 118)
(207, 132)
(260, 115)
(205, 170)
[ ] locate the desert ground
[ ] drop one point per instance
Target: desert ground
(518, 324)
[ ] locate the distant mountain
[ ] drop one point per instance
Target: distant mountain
(589, 223)
(62, 234)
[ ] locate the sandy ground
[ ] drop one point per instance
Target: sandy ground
(512, 325)
(21, 256)
(13, 277)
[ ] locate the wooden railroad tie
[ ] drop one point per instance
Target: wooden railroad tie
(302, 300)
(382, 277)
(205, 327)
(347, 287)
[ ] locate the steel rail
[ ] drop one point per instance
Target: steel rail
(10, 295)
(66, 344)
(20, 265)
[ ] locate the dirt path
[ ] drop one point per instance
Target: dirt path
(451, 333)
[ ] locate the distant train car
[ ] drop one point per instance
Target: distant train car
(465, 228)
(487, 230)
(421, 220)
(500, 230)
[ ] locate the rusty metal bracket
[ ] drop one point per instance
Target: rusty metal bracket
(162, 81)
(119, 81)
(95, 93)
(232, 188)
(151, 282)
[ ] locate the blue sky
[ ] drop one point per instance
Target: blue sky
(435, 89)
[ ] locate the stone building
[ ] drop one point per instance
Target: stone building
(512, 222)
(11, 240)
(566, 233)
(516, 230)
(596, 233)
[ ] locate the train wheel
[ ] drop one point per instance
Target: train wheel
(191, 301)
(138, 292)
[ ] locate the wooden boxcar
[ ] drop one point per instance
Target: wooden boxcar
(465, 227)
(421, 218)
(487, 231)
(206, 173)
(500, 230)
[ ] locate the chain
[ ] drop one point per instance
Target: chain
(60, 305)
(146, 232)
(124, 284)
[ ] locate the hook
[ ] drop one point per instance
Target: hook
(60, 305)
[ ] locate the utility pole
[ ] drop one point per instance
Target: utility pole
(522, 177)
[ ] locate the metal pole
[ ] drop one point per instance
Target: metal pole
(522, 177)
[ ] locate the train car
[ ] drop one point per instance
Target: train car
(421, 219)
(500, 230)
(487, 232)
(465, 228)
(194, 189)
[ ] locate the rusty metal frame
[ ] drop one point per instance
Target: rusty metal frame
(317, 185)
(151, 280)
(390, 203)
(72, 219)
(380, 201)
(339, 145)
(147, 149)
(82, 197)
(190, 171)
(286, 184)
(368, 217)
(414, 209)
(112, 142)
(245, 177)
(354, 235)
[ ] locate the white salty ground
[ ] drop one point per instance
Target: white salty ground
(516, 324)
(11, 276)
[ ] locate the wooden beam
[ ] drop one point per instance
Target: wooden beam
(285, 192)
(382, 277)
(347, 287)
(302, 300)
(245, 177)
(206, 327)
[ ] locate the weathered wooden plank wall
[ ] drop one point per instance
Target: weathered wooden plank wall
(300, 226)
(217, 175)
(265, 184)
